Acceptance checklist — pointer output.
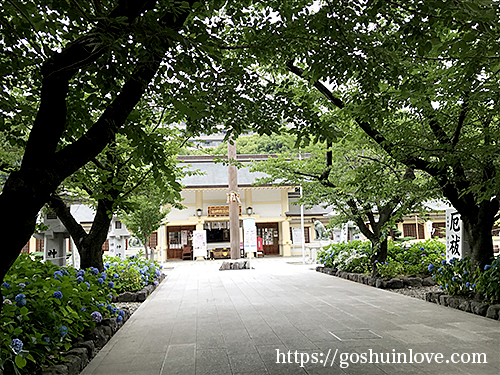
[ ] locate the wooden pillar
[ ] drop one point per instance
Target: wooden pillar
(233, 200)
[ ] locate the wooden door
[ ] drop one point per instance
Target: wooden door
(270, 237)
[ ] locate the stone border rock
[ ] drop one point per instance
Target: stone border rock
(440, 298)
(85, 348)
(235, 265)
(395, 283)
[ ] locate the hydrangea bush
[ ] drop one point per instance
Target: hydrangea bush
(401, 259)
(46, 306)
(133, 273)
(457, 277)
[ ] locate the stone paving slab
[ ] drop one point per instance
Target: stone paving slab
(204, 321)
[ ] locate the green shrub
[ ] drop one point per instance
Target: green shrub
(488, 281)
(133, 273)
(347, 256)
(401, 259)
(457, 277)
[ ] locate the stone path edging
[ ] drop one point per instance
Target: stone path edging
(491, 311)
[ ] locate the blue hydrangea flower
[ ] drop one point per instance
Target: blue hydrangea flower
(104, 276)
(453, 278)
(487, 267)
(79, 279)
(96, 316)
(46, 339)
(16, 345)
(443, 262)
(431, 267)
(58, 275)
(83, 309)
(58, 294)
(111, 284)
(100, 280)
(21, 303)
(22, 285)
(121, 312)
(5, 285)
(94, 270)
(80, 273)
(109, 307)
(116, 276)
(119, 318)
(473, 285)
(19, 297)
(88, 285)
(467, 284)
(63, 331)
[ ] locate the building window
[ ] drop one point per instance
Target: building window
(438, 230)
(39, 245)
(51, 215)
(118, 225)
(410, 230)
(153, 240)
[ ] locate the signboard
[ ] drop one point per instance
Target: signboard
(454, 235)
(199, 243)
(249, 235)
(117, 247)
(297, 235)
(215, 211)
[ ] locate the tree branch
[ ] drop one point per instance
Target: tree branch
(64, 214)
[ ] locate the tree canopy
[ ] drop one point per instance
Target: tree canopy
(421, 78)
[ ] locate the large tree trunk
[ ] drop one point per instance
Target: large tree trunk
(477, 226)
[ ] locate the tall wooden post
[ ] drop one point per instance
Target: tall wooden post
(233, 199)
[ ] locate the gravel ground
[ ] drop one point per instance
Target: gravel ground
(416, 292)
(132, 306)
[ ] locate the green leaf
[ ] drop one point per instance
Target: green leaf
(20, 361)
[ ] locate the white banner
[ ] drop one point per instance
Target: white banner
(454, 235)
(297, 235)
(199, 243)
(249, 235)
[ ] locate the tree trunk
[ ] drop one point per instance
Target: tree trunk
(379, 255)
(23, 195)
(89, 245)
(146, 251)
(478, 232)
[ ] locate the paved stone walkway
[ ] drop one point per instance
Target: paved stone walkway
(204, 321)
